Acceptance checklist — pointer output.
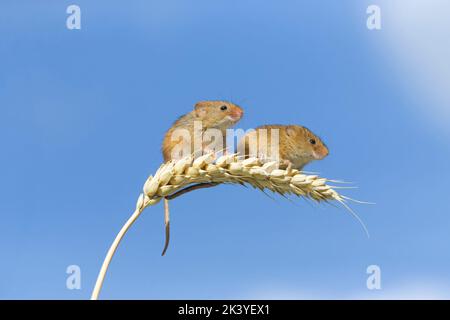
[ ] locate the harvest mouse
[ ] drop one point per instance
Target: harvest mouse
(212, 115)
(215, 114)
(298, 145)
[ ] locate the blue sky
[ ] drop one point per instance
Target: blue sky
(83, 113)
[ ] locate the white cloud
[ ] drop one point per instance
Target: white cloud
(419, 290)
(410, 292)
(417, 36)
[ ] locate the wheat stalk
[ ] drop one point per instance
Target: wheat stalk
(172, 178)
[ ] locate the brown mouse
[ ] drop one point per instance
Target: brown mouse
(212, 114)
(216, 114)
(298, 145)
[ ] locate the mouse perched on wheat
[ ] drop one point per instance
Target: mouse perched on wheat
(181, 137)
(194, 158)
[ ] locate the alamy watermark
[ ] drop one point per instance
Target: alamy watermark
(261, 143)
(73, 281)
(373, 21)
(73, 21)
(373, 281)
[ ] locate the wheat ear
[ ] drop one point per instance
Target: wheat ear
(172, 177)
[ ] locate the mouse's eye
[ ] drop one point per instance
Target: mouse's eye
(223, 108)
(312, 141)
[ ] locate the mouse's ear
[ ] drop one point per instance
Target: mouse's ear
(200, 109)
(290, 131)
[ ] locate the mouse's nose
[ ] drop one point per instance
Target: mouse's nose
(324, 152)
(238, 113)
(320, 153)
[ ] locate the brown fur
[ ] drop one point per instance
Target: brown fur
(211, 115)
(295, 147)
